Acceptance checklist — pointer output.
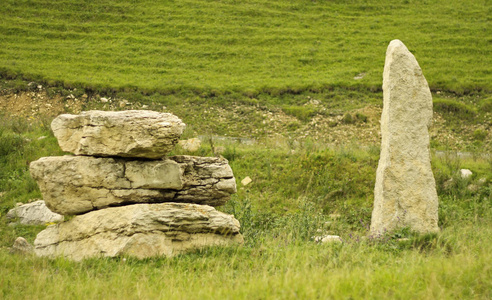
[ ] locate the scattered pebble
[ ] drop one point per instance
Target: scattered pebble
(360, 76)
(465, 173)
(328, 239)
(247, 180)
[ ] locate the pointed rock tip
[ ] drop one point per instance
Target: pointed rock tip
(396, 44)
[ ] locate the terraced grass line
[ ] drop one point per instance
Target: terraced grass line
(247, 46)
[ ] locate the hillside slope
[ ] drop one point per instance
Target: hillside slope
(249, 46)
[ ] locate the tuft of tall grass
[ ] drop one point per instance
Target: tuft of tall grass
(21, 142)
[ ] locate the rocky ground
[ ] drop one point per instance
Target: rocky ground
(254, 122)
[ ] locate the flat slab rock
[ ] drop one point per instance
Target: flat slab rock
(131, 133)
(78, 184)
(140, 230)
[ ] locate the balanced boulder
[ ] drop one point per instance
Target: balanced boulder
(131, 133)
(128, 197)
(140, 230)
(78, 184)
(405, 192)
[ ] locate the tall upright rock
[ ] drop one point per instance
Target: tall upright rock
(405, 192)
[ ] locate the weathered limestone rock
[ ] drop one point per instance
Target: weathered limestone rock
(140, 230)
(21, 246)
(34, 213)
(132, 133)
(405, 193)
(78, 184)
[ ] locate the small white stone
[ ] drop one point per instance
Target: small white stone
(465, 173)
(360, 76)
(104, 100)
(247, 180)
(328, 239)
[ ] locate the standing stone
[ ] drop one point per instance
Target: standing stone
(405, 192)
(131, 133)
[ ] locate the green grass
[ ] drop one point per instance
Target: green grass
(444, 267)
(295, 188)
(454, 109)
(20, 143)
(250, 47)
(222, 66)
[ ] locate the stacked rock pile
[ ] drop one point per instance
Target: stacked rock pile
(128, 198)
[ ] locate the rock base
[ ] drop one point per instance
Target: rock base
(140, 230)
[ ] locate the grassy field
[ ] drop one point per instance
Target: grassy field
(250, 47)
(278, 74)
(434, 268)
(298, 191)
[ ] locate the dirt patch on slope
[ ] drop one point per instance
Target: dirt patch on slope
(36, 104)
(360, 126)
